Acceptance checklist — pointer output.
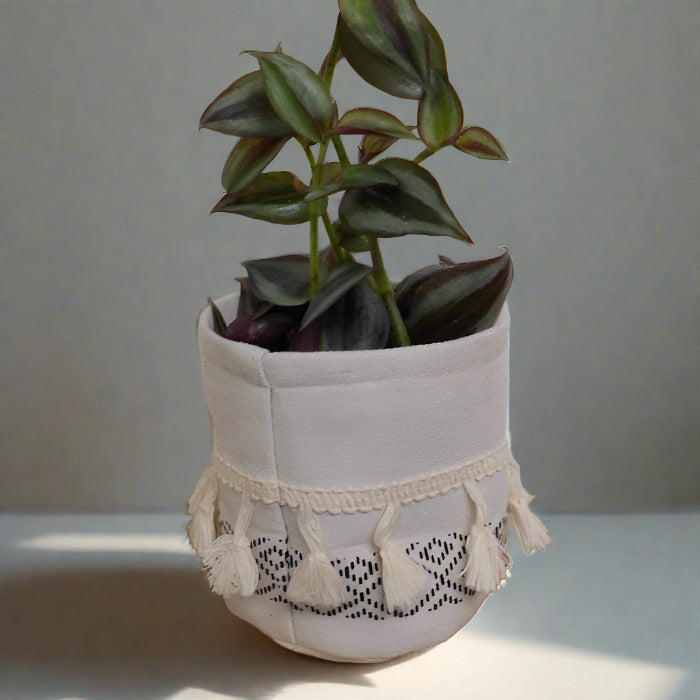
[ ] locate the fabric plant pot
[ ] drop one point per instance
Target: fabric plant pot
(357, 504)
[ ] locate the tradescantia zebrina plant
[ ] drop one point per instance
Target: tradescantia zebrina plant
(326, 299)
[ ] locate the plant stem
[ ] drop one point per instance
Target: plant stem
(313, 215)
(333, 238)
(399, 335)
(332, 62)
(340, 150)
(423, 155)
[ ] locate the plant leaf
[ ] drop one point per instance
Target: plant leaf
(354, 176)
(440, 112)
(284, 280)
(276, 197)
(248, 303)
(342, 279)
(329, 171)
(357, 321)
(392, 31)
(269, 331)
(217, 316)
(373, 145)
(297, 94)
(436, 47)
(365, 120)
(415, 206)
(444, 302)
(478, 142)
(247, 160)
(243, 109)
(377, 70)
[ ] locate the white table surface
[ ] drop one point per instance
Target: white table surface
(114, 606)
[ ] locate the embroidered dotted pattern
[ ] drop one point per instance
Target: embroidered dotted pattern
(443, 557)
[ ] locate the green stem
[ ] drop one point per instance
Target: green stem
(314, 213)
(333, 238)
(332, 62)
(399, 335)
(423, 155)
(340, 150)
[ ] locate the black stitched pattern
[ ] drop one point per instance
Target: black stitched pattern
(443, 557)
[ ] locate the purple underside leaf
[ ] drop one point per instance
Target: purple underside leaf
(447, 301)
(269, 331)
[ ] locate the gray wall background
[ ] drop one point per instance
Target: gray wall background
(108, 253)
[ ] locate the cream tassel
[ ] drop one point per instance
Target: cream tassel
(314, 582)
(201, 530)
(487, 559)
(531, 530)
(229, 562)
(403, 580)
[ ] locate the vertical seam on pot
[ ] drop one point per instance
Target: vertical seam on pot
(283, 514)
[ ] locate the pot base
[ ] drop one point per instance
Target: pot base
(352, 641)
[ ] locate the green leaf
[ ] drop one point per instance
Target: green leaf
(436, 47)
(376, 70)
(283, 280)
(373, 145)
(342, 279)
(276, 197)
(217, 316)
(357, 321)
(415, 206)
(297, 94)
(448, 301)
(248, 303)
(354, 176)
(247, 160)
(365, 120)
(480, 143)
(440, 113)
(243, 109)
(392, 31)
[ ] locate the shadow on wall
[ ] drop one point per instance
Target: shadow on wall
(151, 633)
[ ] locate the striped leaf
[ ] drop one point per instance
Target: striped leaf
(243, 109)
(452, 300)
(297, 94)
(415, 206)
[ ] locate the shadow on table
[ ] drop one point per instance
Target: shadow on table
(142, 633)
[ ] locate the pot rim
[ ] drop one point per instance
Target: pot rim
(205, 324)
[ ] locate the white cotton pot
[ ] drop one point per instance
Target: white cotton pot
(349, 491)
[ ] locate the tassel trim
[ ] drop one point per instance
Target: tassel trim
(228, 562)
(404, 581)
(315, 582)
(487, 559)
(231, 568)
(531, 530)
(201, 530)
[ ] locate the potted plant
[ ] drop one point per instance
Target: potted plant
(361, 481)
